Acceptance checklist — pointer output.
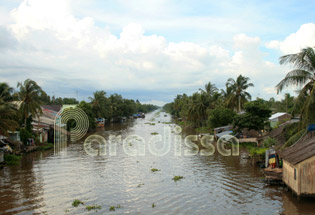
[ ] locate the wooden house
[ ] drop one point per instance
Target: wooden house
(299, 166)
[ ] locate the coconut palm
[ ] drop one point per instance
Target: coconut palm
(29, 95)
(7, 110)
(7, 117)
(303, 76)
(238, 95)
(210, 89)
(6, 92)
(98, 103)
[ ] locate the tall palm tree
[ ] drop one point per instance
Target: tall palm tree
(98, 103)
(6, 92)
(304, 76)
(7, 110)
(210, 89)
(238, 89)
(7, 117)
(29, 95)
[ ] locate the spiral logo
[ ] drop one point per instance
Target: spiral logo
(76, 133)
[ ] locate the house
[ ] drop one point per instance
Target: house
(44, 124)
(299, 166)
(279, 118)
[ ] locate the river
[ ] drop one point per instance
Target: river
(47, 183)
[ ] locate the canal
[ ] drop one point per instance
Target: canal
(46, 183)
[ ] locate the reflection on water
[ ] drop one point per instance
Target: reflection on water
(47, 184)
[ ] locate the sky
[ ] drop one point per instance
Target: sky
(150, 50)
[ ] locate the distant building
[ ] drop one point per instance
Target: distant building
(299, 166)
(278, 118)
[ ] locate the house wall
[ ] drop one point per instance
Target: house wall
(288, 176)
(307, 169)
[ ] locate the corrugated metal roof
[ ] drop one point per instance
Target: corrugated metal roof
(301, 151)
(276, 115)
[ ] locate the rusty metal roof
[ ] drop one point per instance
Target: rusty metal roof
(301, 151)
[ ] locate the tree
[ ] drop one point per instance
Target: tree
(220, 117)
(87, 108)
(100, 105)
(255, 117)
(238, 95)
(6, 92)
(29, 94)
(303, 76)
(7, 117)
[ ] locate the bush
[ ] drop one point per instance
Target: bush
(294, 138)
(270, 142)
(25, 134)
(220, 117)
(290, 130)
(46, 146)
(12, 159)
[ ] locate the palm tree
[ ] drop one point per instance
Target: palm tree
(7, 117)
(238, 89)
(304, 76)
(7, 110)
(29, 95)
(210, 89)
(6, 92)
(98, 103)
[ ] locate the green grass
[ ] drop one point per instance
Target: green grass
(139, 185)
(154, 133)
(153, 205)
(253, 149)
(177, 178)
(112, 208)
(93, 207)
(76, 203)
(12, 159)
(46, 146)
(155, 170)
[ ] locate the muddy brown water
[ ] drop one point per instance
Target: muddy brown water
(47, 183)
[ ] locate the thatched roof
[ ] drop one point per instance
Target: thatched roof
(301, 151)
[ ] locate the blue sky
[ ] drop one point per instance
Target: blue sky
(150, 50)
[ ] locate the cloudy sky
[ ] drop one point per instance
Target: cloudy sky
(150, 50)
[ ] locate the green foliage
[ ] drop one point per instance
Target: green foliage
(46, 146)
(290, 129)
(153, 205)
(77, 202)
(177, 178)
(112, 208)
(302, 75)
(220, 117)
(154, 133)
(154, 170)
(25, 134)
(257, 113)
(29, 94)
(93, 207)
(87, 108)
(257, 151)
(294, 138)
(268, 142)
(12, 159)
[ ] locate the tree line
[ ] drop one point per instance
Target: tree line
(210, 107)
(18, 108)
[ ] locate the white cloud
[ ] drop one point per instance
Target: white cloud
(303, 38)
(64, 52)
